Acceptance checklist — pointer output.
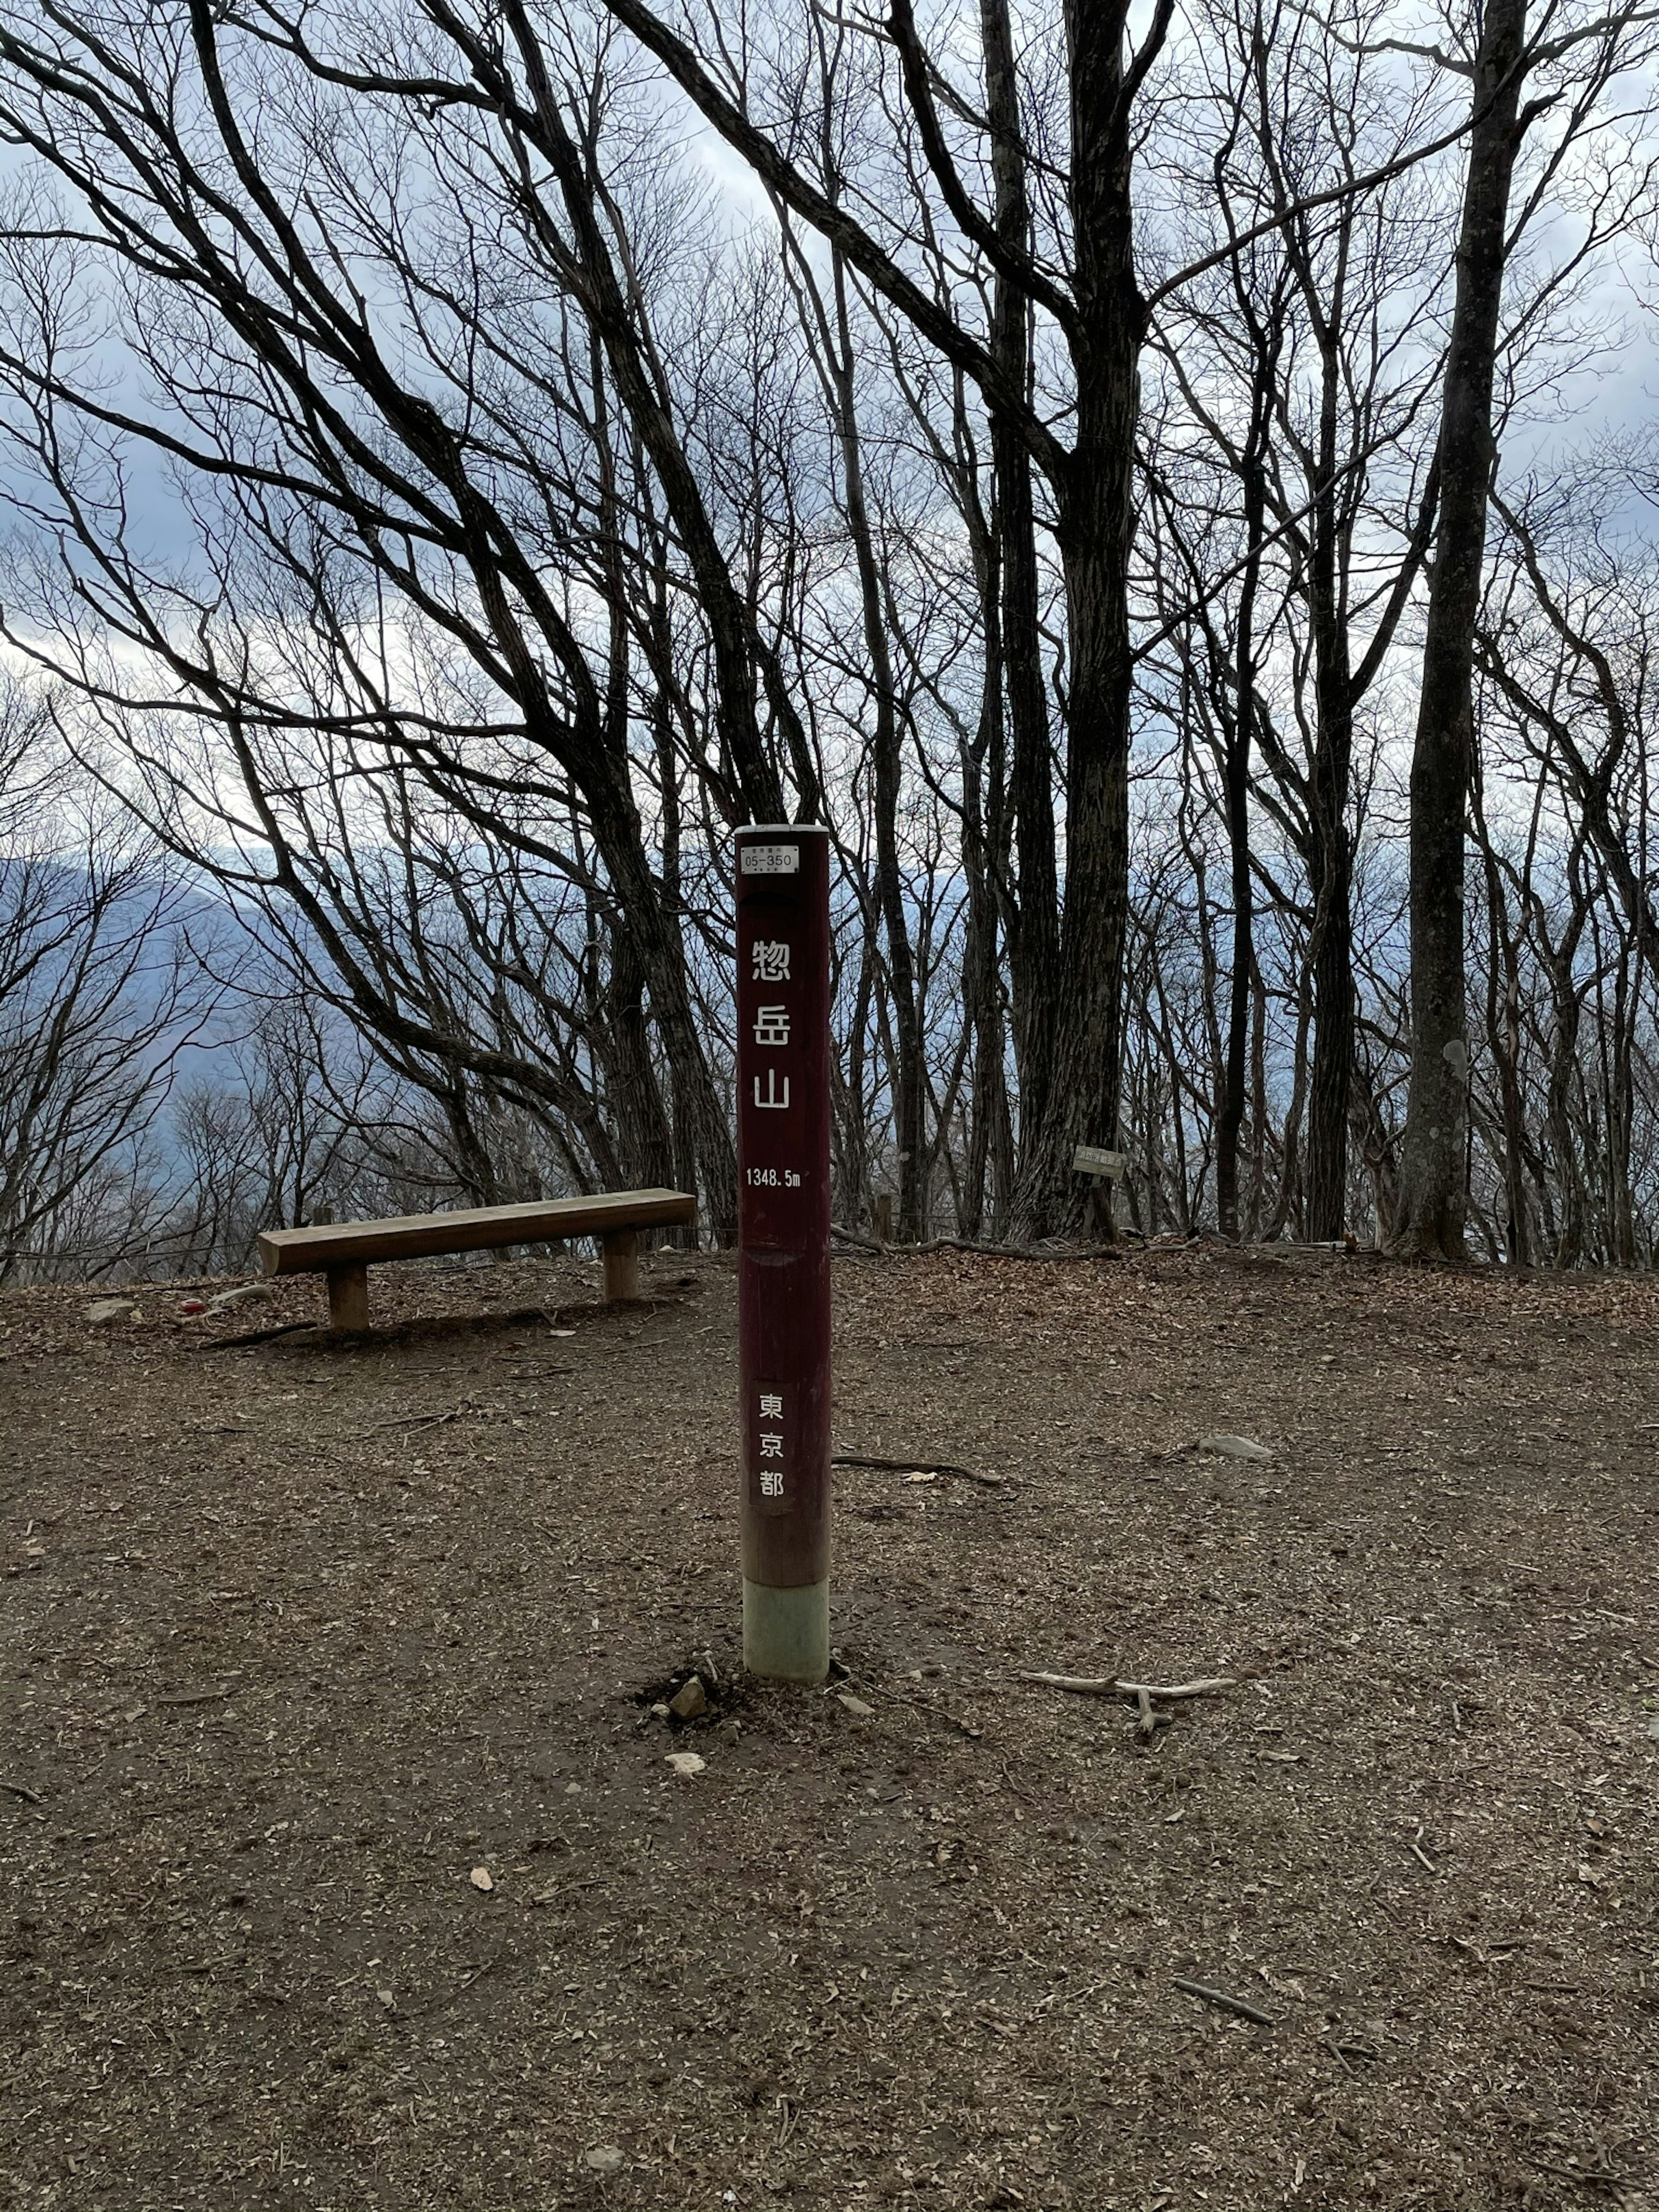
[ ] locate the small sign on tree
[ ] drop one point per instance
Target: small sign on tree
(1095, 1160)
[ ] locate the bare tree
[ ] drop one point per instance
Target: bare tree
(1081, 281)
(1502, 64)
(100, 997)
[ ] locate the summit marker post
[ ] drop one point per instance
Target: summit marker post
(783, 1247)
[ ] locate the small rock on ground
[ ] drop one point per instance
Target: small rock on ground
(1234, 1447)
(690, 1699)
(103, 1311)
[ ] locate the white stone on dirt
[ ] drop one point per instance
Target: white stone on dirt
(856, 1705)
(103, 1311)
(686, 1763)
(689, 1700)
(246, 1294)
(603, 2158)
(1234, 1447)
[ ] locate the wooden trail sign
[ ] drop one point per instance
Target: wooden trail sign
(1095, 1160)
(783, 1247)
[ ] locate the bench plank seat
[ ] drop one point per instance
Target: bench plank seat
(345, 1250)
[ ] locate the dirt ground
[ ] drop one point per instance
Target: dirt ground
(304, 1643)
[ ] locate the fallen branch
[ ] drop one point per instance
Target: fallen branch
(1110, 1686)
(1220, 1998)
(1207, 1686)
(256, 1336)
(918, 1467)
(420, 1420)
(871, 1244)
(18, 1790)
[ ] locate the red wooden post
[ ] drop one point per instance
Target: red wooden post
(783, 1247)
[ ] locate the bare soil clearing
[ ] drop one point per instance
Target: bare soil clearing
(299, 1640)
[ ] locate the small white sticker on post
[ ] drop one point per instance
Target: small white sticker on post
(1093, 1159)
(771, 860)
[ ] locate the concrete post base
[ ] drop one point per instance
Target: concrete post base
(785, 1632)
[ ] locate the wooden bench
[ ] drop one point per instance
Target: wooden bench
(345, 1250)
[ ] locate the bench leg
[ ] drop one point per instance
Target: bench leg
(348, 1298)
(622, 1263)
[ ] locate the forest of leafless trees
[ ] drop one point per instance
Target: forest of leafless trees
(1169, 486)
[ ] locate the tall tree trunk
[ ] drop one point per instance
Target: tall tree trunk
(1432, 1197)
(1034, 923)
(981, 984)
(1095, 522)
(644, 1141)
(850, 1130)
(681, 1094)
(1240, 731)
(1331, 1084)
(1620, 1100)
(1503, 1038)
(985, 842)
(1330, 851)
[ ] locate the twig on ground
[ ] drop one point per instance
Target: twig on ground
(20, 1789)
(413, 1421)
(1423, 1858)
(1220, 1998)
(1602, 2177)
(1348, 2051)
(918, 1467)
(193, 1697)
(442, 2003)
(921, 1706)
(1110, 1686)
(1067, 1996)
(256, 1336)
